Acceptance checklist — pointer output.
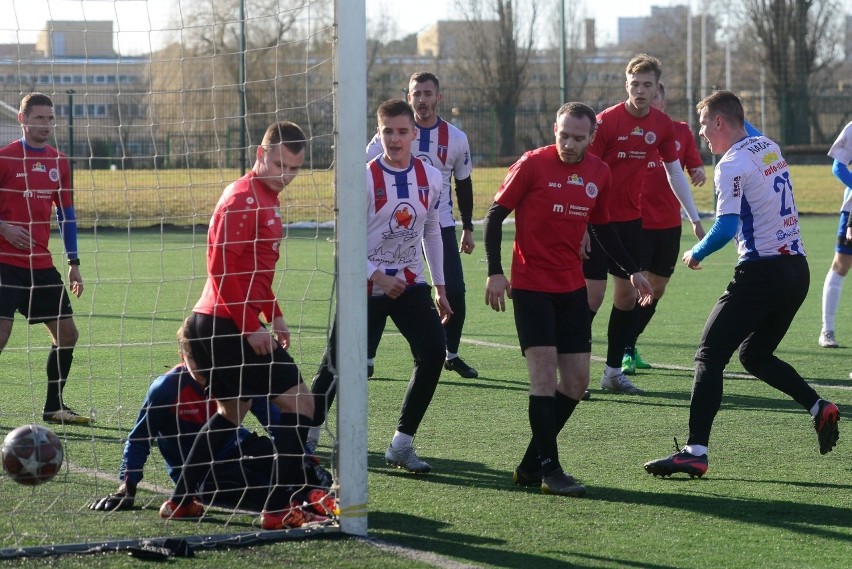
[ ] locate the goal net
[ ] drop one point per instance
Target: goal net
(160, 104)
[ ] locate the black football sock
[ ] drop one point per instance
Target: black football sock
(209, 442)
(58, 367)
(542, 415)
(645, 315)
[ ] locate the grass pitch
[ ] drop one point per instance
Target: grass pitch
(769, 499)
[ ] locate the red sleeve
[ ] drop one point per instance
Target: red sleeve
(65, 196)
(231, 231)
(597, 146)
(667, 148)
(600, 214)
(515, 185)
(691, 156)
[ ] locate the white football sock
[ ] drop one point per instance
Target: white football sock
(695, 450)
(401, 440)
(831, 289)
(815, 408)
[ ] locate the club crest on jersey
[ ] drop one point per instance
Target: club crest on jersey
(39, 167)
(53, 175)
(637, 131)
(402, 222)
(769, 158)
(574, 180)
(650, 137)
(592, 190)
(677, 145)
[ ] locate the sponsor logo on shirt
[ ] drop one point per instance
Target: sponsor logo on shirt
(573, 209)
(737, 189)
(21, 175)
(622, 138)
(39, 167)
(637, 131)
(574, 180)
(774, 168)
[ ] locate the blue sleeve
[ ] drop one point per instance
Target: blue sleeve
(720, 234)
(750, 130)
(138, 445)
(843, 173)
(67, 221)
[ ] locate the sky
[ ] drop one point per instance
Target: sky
(20, 20)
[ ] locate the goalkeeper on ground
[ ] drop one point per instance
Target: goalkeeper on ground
(176, 407)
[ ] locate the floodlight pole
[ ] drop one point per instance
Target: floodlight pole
(563, 80)
(242, 88)
(70, 93)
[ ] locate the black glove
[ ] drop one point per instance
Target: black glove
(121, 500)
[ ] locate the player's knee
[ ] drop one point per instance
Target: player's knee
(67, 334)
(752, 362)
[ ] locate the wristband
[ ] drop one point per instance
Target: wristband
(73, 262)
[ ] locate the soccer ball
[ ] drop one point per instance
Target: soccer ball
(32, 455)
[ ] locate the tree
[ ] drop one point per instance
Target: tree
(799, 41)
(495, 57)
(196, 86)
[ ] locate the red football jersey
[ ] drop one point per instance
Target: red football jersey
(33, 182)
(242, 249)
(553, 204)
(660, 208)
(626, 143)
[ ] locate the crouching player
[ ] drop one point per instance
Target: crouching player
(242, 474)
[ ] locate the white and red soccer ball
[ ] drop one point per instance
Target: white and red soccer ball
(32, 455)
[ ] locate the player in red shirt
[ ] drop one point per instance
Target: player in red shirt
(244, 360)
(661, 225)
(557, 192)
(628, 135)
(35, 178)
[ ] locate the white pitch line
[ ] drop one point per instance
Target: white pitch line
(418, 555)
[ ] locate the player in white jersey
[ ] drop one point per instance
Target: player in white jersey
(755, 206)
(402, 219)
(841, 151)
(445, 147)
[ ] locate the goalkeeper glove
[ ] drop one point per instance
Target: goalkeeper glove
(121, 500)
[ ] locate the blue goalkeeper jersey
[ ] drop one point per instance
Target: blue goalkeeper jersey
(174, 410)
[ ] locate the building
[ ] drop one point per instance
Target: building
(75, 64)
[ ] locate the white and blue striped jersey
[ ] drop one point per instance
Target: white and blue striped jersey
(753, 181)
(402, 219)
(841, 151)
(446, 148)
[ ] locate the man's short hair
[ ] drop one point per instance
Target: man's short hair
(34, 100)
(287, 133)
(184, 339)
(423, 76)
(578, 111)
(644, 63)
(394, 108)
(723, 103)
